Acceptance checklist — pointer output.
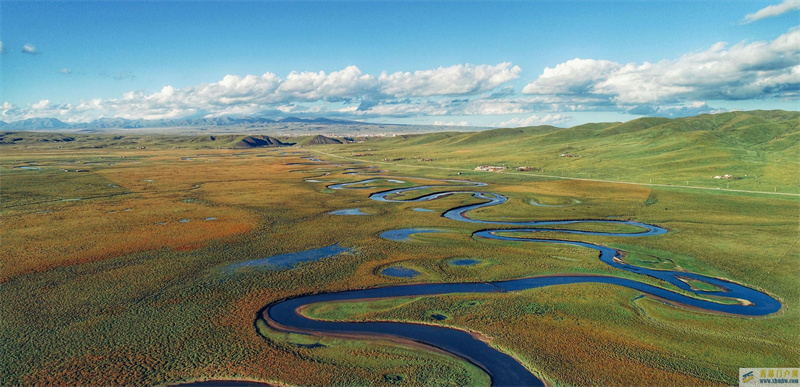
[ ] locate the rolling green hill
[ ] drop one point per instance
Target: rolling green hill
(760, 149)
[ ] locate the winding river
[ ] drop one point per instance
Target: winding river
(501, 367)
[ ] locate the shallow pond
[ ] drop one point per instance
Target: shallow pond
(464, 262)
(289, 260)
(402, 235)
(399, 271)
(349, 211)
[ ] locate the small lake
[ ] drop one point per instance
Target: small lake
(287, 261)
(402, 235)
(349, 211)
(422, 210)
(464, 262)
(399, 271)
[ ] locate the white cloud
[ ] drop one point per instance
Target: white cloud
(406, 109)
(482, 107)
(66, 71)
(742, 71)
(2, 48)
(773, 10)
(427, 107)
(453, 80)
(571, 77)
(251, 94)
(549, 119)
(451, 123)
(234, 110)
(311, 86)
(41, 105)
(690, 109)
(349, 109)
(29, 49)
(8, 110)
(286, 108)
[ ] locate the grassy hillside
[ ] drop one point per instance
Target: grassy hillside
(759, 148)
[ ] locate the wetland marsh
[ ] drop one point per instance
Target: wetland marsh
(543, 286)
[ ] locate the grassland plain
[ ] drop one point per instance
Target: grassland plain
(96, 290)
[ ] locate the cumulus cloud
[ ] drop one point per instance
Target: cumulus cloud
(453, 80)
(549, 119)
(29, 49)
(506, 106)
(574, 76)
(41, 105)
(287, 108)
(742, 71)
(691, 109)
(66, 71)
(773, 10)
(310, 86)
(385, 94)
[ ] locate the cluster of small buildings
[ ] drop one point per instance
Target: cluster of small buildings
(729, 177)
(569, 155)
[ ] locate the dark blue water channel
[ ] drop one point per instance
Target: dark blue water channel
(502, 368)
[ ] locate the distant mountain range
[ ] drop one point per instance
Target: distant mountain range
(121, 123)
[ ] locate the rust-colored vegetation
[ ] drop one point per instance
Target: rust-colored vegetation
(115, 209)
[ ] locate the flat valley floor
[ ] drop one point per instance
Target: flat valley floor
(147, 267)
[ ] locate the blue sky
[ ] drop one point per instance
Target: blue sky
(476, 63)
